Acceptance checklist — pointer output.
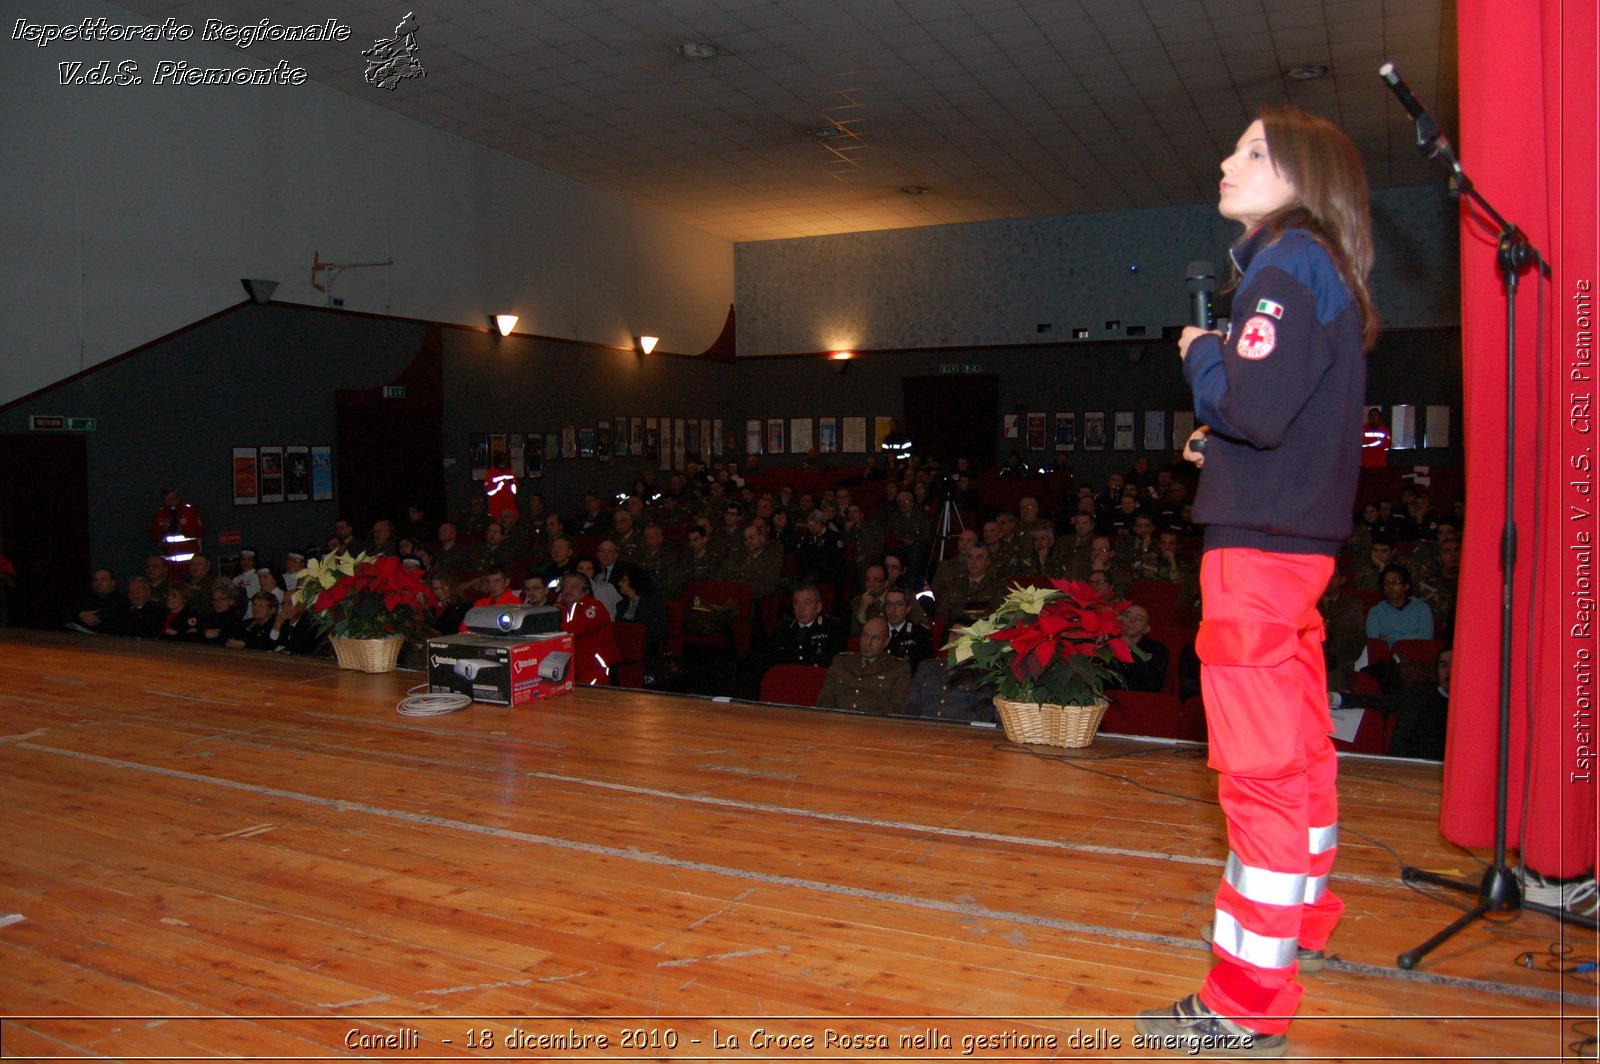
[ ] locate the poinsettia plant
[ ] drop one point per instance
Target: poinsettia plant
(1056, 644)
(364, 597)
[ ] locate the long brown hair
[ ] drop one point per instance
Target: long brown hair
(1330, 197)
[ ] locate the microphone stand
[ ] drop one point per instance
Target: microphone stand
(1498, 891)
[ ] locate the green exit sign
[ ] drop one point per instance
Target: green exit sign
(394, 391)
(57, 423)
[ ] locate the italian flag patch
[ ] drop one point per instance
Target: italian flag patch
(1267, 306)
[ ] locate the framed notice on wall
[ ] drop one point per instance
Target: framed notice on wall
(478, 455)
(533, 455)
(1155, 430)
(297, 473)
(1124, 431)
(1036, 432)
(855, 435)
(827, 435)
(321, 474)
(752, 436)
(246, 477)
(799, 434)
(1094, 430)
(1066, 431)
(775, 435)
(271, 464)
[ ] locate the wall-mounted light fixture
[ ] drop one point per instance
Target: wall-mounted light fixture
(645, 344)
(504, 323)
(259, 290)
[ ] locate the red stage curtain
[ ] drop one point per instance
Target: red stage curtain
(1528, 139)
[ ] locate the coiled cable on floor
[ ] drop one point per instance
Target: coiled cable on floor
(430, 705)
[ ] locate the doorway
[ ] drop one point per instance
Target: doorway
(953, 416)
(44, 525)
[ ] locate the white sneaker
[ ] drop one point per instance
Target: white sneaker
(1580, 896)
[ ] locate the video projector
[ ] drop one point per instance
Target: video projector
(513, 620)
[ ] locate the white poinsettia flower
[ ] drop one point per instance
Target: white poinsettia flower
(1030, 599)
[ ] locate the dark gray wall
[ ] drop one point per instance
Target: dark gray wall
(1418, 366)
(253, 375)
(173, 412)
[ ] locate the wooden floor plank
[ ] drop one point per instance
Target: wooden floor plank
(216, 833)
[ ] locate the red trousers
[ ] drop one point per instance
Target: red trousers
(1265, 687)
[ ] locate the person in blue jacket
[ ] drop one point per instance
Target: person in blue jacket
(1280, 398)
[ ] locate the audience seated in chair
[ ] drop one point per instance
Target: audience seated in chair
(869, 679)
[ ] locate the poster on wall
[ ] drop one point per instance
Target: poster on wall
(1124, 431)
(1182, 428)
(827, 435)
(800, 435)
(652, 438)
(246, 488)
(1036, 432)
(552, 446)
(1011, 426)
(533, 454)
(586, 440)
(1066, 431)
(478, 455)
(1403, 427)
(752, 436)
(1155, 430)
(1094, 431)
(775, 435)
(855, 435)
(321, 473)
(1436, 426)
(517, 447)
(271, 465)
(636, 437)
(680, 442)
(297, 473)
(499, 452)
(718, 449)
(664, 457)
(569, 441)
(691, 440)
(602, 440)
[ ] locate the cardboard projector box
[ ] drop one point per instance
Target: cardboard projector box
(499, 670)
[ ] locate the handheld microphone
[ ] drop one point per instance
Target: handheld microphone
(1201, 282)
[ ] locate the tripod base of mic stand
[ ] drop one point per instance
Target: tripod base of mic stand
(1498, 892)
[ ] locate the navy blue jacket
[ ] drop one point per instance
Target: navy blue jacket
(1283, 395)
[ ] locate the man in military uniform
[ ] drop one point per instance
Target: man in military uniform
(819, 556)
(497, 550)
(909, 637)
(870, 679)
(756, 564)
(1103, 559)
(975, 596)
(660, 560)
(730, 537)
(1138, 550)
(1042, 557)
(1077, 544)
(865, 538)
(700, 562)
(807, 638)
(910, 526)
(954, 567)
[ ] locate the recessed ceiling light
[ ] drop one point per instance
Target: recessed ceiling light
(699, 50)
(1307, 71)
(915, 190)
(825, 132)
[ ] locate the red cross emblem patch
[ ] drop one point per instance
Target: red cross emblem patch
(1258, 339)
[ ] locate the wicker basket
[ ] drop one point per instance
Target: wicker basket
(368, 655)
(1050, 725)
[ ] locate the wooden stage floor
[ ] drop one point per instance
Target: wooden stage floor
(221, 855)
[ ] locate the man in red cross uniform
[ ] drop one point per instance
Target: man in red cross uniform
(594, 644)
(176, 529)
